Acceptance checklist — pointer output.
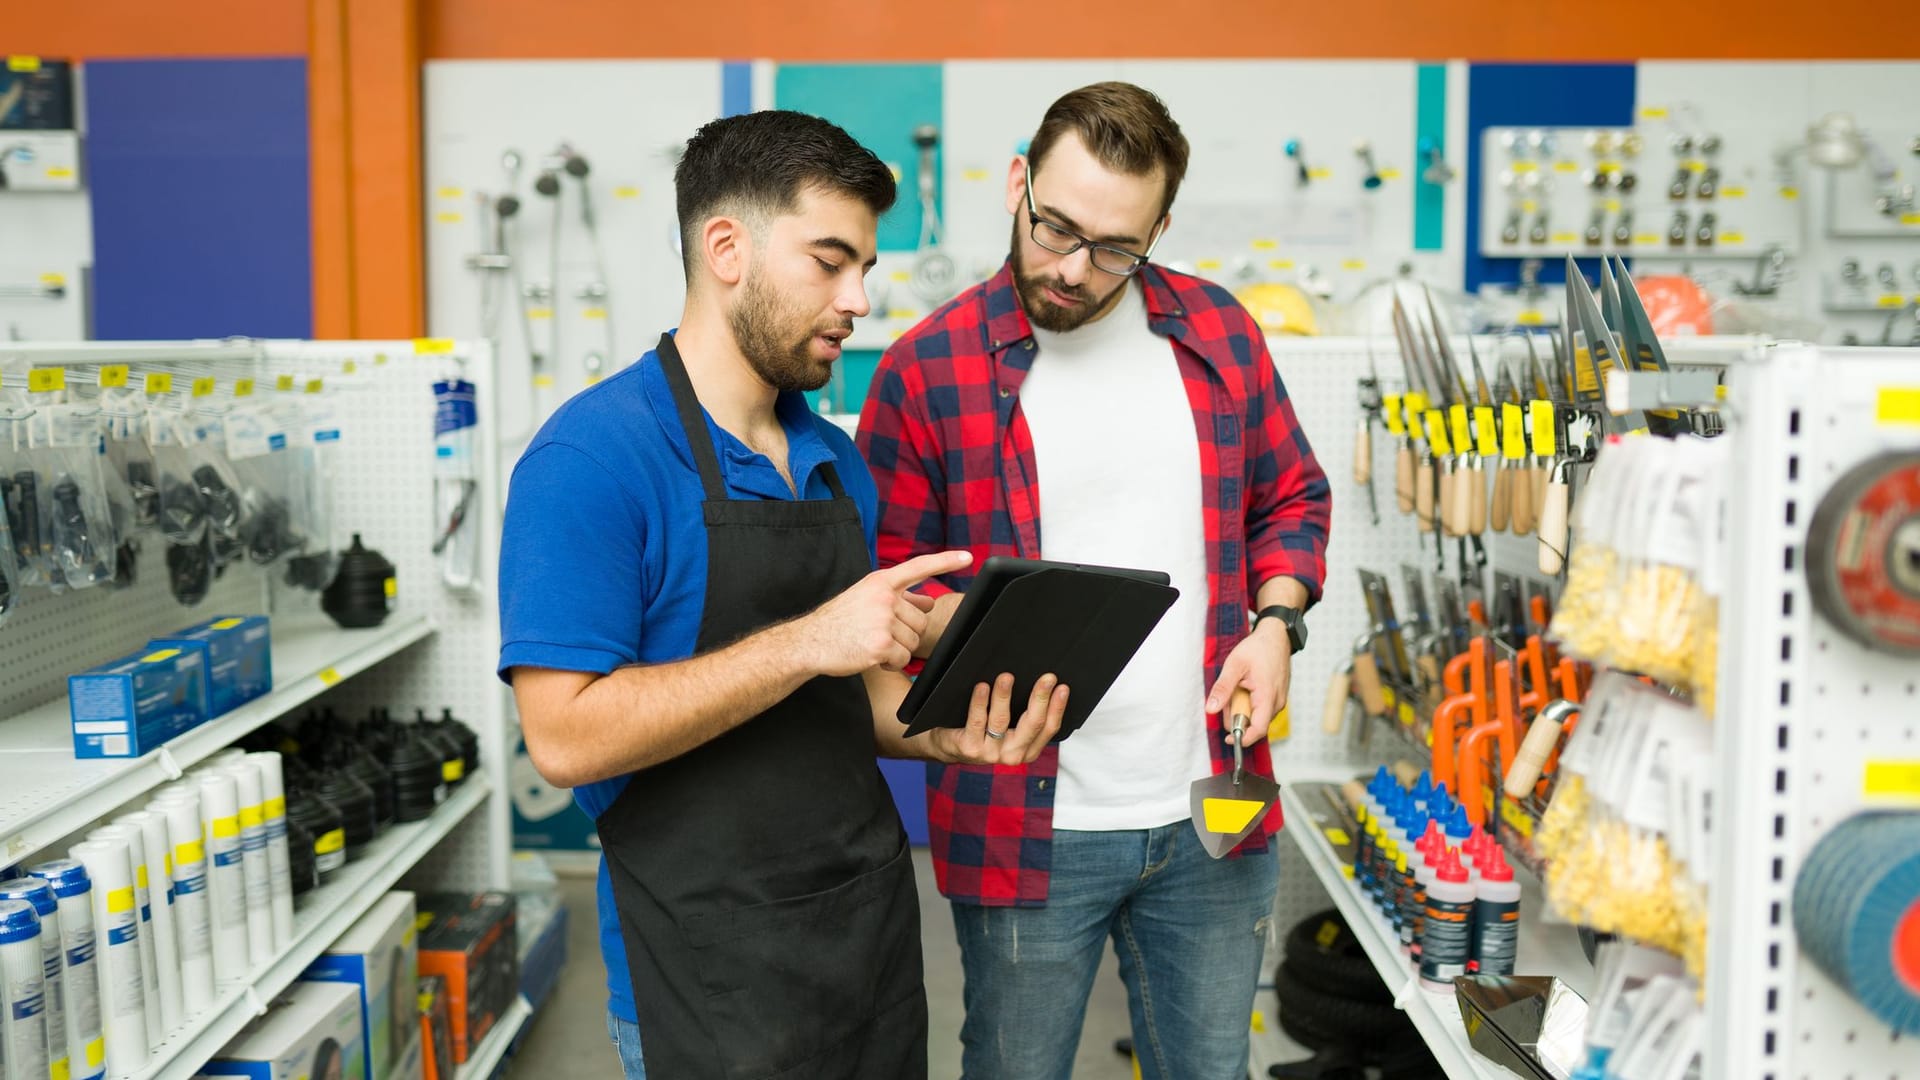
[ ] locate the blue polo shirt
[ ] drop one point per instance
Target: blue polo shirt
(603, 558)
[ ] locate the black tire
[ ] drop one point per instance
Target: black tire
(1365, 1023)
(1322, 952)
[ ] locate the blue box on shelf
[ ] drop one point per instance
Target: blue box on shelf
(238, 654)
(130, 706)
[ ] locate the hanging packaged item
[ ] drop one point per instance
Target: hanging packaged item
(58, 496)
(314, 434)
(213, 476)
(1582, 619)
(1667, 514)
(456, 541)
(266, 471)
(184, 517)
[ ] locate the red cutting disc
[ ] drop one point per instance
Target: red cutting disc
(1863, 554)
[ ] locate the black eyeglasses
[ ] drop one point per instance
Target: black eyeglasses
(1064, 241)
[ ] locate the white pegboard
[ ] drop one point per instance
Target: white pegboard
(1802, 710)
(385, 462)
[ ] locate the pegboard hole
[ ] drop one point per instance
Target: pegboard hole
(1773, 1001)
(1786, 649)
(1787, 560)
(1779, 875)
(1793, 422)
(1779, 785)
(1780, 735)
(1786, 604)
(1793, 467)
(1792, 511)
(1785, 692)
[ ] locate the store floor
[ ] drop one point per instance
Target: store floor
(569, 1036)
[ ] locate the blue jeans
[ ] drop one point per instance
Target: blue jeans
(626, 1039)
(1190, 933)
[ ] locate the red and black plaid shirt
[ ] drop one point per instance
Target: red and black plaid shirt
(953, 459)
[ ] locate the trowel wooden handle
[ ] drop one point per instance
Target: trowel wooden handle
(1532, 757)
(1553, 528)
(1403, 478)
(1476, 501)
(1339, 688)
(1541, 474)
(1363, 453)
(1405, 771)
(1354, 794)
(1423, 495)
(1453, 510)
(1366, 680)
(1523, 504)
(1500, 511)
(1240, 704)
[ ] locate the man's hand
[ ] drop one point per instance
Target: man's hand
(1263, 663)
(937, 619)
(875, 623)
(986, 739)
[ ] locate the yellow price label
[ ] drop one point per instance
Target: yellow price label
(1543, 440)
(1893, 300)
(902, 275)
(543, 382)
(43, 380)
(539, 313)
(432, 346)
(1910, 219)
(283, 383)
(159, 382)
(329, 842)
(1733, 193)
(53, 279)
(1525, 167)
(314, 386)
(391, 587)
(1207, 264)
(626, 191)
(450, 192)
(594, 313)
(448, 217)
(1389, 174)
(113, 376)
(203, 386)
(1280, 264)
(1789, 192)
(328, 676)
(1437, 432)
(902, 313)
(348, 367)
(1529, 206)
(1320, 173)
(1531, 318)
(1511, 813)
(1898, 779)
(1513, 432)
(23, 64)
(1354, 265)
(1261, 244)
(242, 388)
(1733, 238)
(1653, 112)
(1565, 237)
(59, 172)
(1338, 837)
(1898, 405)
(1646, 239)
(1390, 409)
(1489, 434)
(1461, 438)
(1565, 167)
(379, 359)
(974, 175)
(226, 624)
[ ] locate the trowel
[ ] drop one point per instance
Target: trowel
(1227, 807)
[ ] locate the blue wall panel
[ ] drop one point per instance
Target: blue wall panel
(198, 171)
(1546, 95)
(880, 105)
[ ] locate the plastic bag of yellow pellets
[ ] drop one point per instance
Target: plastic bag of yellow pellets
(1582, 621)
(1666, 513)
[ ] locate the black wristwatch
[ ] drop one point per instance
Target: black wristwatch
(1295, 622)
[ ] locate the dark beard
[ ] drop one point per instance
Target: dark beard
(762, 328)
(1046, 314)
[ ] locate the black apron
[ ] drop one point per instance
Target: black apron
(763, 880)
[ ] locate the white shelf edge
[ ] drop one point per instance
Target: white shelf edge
(493, 1049)
(1435, 1015)
(121, 780)
(324, 915)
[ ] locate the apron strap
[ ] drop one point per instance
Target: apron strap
(832, 477)
(692, 419)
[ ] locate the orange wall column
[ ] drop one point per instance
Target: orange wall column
(363, 80)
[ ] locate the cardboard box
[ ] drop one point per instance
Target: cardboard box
(378, 957)
(469, 940)
(238, 654)
(312, 1033)
(129, 707)
(36, 94)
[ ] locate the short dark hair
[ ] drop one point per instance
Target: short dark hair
(1126, 128)
(758, 163)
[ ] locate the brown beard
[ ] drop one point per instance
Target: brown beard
(1046, 314)
(764, 329)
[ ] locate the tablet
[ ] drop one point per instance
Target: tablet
(1031, 617)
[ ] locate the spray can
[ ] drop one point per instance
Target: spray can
(1496, 915)
(273, 807)
(255, 872)
(136, 844)
(40, 895)
(116, 921)
(1448, 941)
(23, 990)
(181, 808)
(226, 878)
(80, 975)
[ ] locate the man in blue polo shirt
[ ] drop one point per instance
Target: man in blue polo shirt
(699, 646)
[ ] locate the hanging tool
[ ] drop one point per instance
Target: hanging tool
(1643, 353)
(1371, 405)
(1440, 388)
(1229, 806)
(1417, 407)
(596, 293)
(1436, 171)
(1486, 436)
(1370, 173)
(542, 297)
(1512, 438)
(1301, 172)
(935, 274)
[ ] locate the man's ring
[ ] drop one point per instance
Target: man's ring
(996, 734)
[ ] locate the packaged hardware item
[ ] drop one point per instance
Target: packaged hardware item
(36, 94)
(237, 655)
(378, 956)
(311, 1033)
(469, 939)
(128, 707)
(436, 1030)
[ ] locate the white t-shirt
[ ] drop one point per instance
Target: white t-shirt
(1119, 467)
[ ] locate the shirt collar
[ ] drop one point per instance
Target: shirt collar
(745, 471)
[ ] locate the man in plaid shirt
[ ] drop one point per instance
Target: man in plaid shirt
(1133, 417)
